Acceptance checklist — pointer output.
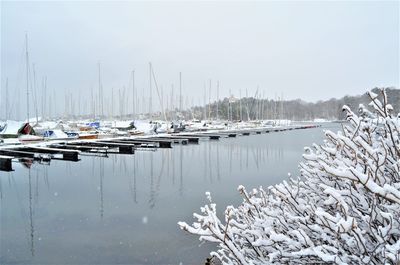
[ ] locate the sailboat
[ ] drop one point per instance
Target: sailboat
(26, 133)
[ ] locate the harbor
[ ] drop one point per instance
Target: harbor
(43, 151)
(199, 132)
(124, 208)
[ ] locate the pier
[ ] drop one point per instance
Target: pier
(71, 150)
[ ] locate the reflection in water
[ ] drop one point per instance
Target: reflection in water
(152, 191)
(26, 162)
(132, 181)
(101, 176)
(32, 230)
(230, 148)
(37, 188)
(211, 167)
(181, 170)
(218, 170)
(27, 219)
(1, 192)
(244, 157)
(209, 161)
(158, 184)
(173, 169)
(205, 165)
(157, 188)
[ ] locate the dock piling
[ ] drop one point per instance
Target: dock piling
(6, 163)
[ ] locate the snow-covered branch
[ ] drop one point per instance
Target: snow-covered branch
(343, 209)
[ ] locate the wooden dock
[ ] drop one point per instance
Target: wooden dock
(71, 150)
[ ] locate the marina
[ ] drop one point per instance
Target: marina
(199, 132)
(123, 209)
(71, 150)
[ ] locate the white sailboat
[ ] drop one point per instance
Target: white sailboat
(27, 134)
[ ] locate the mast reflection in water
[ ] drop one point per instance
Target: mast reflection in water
(124, 209)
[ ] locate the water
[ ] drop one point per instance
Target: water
(124, 209)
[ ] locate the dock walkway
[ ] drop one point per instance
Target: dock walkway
(71, 150)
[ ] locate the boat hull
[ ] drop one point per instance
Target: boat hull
(88, 136)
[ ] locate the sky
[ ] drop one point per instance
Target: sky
(313, 50)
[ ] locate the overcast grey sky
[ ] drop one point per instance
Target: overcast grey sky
(311, 50)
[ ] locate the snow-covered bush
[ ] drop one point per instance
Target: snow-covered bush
(343, 209)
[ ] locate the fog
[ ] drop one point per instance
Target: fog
(310, 50)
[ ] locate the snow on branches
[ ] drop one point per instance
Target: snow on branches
(343, 209)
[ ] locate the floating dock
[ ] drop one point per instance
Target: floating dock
(71, 150)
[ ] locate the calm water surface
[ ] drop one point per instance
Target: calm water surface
(124, 209)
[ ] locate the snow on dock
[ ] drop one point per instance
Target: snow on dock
(71, 149)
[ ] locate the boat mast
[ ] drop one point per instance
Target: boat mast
(217, 99)
(258, 104)
(172, 103)
(43, 101)
(151, 91)
(27, 76)
(45, 98)
(209, 100)
(240, 105)
(229, 106)
(263, 106)
(65, 104)
(167, 102)
(53, 106)
(93, 104)
(35, 93)
(101, 110)
(123, 102)
(72, 107)
(120, 103)
(112, 103)
(205, 102)
(79, 107)
(159, 94)
(133, 95)
(7, 98)
(180, 92)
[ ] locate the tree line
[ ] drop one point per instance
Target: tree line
(250, 108)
